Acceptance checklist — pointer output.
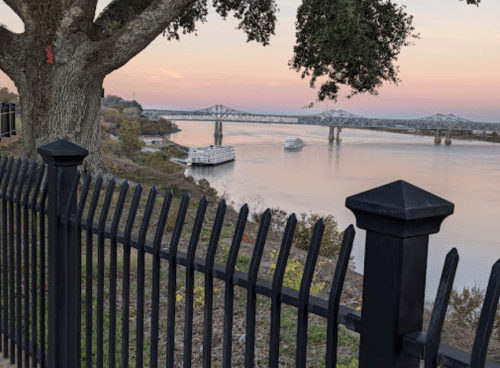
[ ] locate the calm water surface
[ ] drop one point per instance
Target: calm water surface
(321, 175)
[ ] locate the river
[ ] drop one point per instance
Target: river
(321, 175)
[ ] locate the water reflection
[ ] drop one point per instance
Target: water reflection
(319, 177)
(292, 150)
(217, 140)
(199, 172)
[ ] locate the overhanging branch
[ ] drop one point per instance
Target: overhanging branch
(120, 11)
(6, 50)
(115, 51)
(88, 7)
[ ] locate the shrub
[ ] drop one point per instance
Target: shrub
(104, 129)
(278, 219)
(129, 134)
(464, 309)
(189, 179)
(352, 364)
(141, 158)
(156, 160)
(176, 191)
(293, 275)
(204, 184)
(332, 237)
(171, 167)
(212, 192)
(112, 147)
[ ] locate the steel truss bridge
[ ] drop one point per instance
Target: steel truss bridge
(331, 118)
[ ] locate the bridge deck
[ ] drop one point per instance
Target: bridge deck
(221, 113)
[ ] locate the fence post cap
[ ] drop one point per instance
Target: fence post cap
(399, 209)
(63, 153)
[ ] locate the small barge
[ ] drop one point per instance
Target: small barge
(293, 143)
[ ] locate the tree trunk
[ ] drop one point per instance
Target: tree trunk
(62, 99)
(59, 62)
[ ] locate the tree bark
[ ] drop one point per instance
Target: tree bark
(63, 104)
(60, 95)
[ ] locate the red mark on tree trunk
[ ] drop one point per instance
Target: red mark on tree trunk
(50, 55)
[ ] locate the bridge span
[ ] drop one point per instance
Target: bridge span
(333, 119)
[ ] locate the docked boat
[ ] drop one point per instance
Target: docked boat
(293, 143)
(211, 155)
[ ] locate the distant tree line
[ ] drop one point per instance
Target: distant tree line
(116, 102)
(122, 118)
(8, 97)
(114, 115)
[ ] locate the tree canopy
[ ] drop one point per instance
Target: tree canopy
(129, 133)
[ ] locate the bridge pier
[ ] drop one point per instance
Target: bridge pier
(331, 134)
(218, 141)
(448, 137)
(437, 138)
(338, 138)
(218, 129)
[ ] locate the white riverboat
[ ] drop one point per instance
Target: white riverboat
(293, 143)
(211, 155)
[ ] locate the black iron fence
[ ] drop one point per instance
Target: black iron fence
(44, 214)
(7, 120)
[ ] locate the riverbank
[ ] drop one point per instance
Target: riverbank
(456, 135)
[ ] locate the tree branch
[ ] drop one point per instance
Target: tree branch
(78, 15)
(115, 51)
(88, 6)
(9, 50)
(116, 15)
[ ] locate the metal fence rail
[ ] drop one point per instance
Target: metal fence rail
(398, 218)
(7, 120)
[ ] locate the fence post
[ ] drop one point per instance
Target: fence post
(12, 113)
(398, 218)
(4, 116)
(62, 158)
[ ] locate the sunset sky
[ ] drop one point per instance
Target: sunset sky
(454, 67)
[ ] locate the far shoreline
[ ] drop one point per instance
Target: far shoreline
(429, 133)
